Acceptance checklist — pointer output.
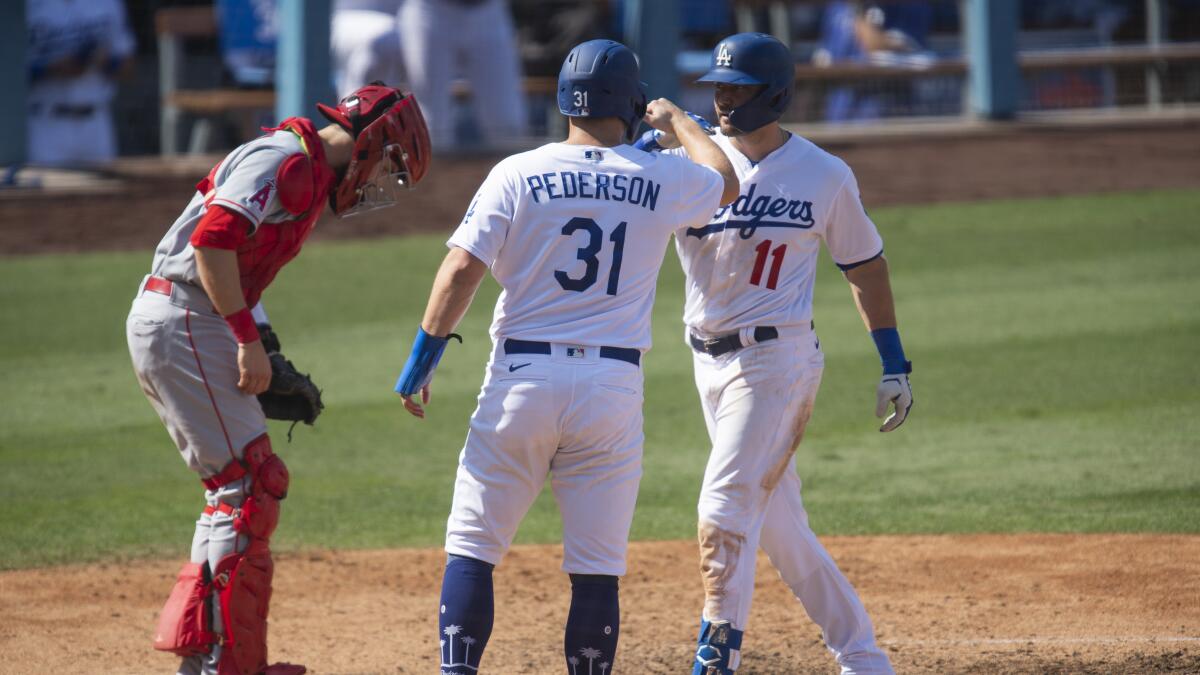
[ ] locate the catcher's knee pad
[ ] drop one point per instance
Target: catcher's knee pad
(259, 514)
(719, 649)
(243, 581)
(184, 626)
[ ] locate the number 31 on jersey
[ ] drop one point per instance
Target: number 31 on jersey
(587, 254)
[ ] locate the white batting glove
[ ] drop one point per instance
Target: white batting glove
(893, 390)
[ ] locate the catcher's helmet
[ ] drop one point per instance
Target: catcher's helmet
(755, 59)
(601, 78)
(386, 124)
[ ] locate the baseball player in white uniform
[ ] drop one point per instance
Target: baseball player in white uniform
(76, 50)
(575, 234)
(474, 39)
(758, 363)
(200, 360)
(365, 43)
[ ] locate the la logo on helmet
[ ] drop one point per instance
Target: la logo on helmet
(723, 57)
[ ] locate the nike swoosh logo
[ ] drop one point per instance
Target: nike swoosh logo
(516, 368)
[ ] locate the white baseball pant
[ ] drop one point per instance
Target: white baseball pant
(576, 418)
(185, 358)
(757, 402)
(437, 36)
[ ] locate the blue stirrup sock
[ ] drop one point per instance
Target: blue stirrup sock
(590, 641)
(718, 650)
(466, 614)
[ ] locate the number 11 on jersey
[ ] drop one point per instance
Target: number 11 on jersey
(760, 262)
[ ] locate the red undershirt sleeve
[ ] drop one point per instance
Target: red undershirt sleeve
(221, 228)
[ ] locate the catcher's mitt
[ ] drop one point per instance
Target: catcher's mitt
(292, 396)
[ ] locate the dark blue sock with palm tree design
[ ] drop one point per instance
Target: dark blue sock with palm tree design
(465, 617)
(592, 624)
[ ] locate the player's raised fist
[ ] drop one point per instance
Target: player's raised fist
(662, 114)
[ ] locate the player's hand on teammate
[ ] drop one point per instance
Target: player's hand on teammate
(664, 115)
(413, 407)
(893, 392)
(254, 368)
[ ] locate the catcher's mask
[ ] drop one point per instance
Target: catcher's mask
(755, 59)
(391, 147)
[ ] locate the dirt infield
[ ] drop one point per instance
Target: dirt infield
(941, 604)
(147, 194)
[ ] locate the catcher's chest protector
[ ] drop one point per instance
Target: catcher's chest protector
(302, 183)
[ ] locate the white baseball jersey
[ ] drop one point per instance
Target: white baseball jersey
(65, 28)
(576, 235)
(755, 261)
(69, 121)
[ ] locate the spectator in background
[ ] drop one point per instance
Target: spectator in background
(705, 22)
(365, 44)
(248, 32)
(76, 50)
(549, 29)
(1075, 23)
(439, 35)
(886, 33)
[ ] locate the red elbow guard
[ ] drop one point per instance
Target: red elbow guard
(221, 228)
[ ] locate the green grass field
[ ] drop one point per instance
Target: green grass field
(1056, 345)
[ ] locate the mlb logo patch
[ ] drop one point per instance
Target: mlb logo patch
(594, 155)
(576, 352)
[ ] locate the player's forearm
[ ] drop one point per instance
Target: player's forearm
(453, 289)
(872, 290)
(702, 150)
(218, 269)
(219, 275)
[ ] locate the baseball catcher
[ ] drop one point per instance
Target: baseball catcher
(213, 373)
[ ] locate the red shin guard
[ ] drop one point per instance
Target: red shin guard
(244, 579)
(244, 583)
(183, 625)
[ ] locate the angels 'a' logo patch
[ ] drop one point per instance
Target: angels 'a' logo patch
(263, 195)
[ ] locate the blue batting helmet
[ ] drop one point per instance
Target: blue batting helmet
(755, 59)
(601, 78)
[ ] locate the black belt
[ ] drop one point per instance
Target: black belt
(64, 110)
(729, 343)
(625, 354)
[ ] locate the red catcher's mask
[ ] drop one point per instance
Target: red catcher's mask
(391, 147)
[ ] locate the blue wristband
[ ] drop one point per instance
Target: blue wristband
(891, 353)
(422, 361)
(649, 141)
(704, 124)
